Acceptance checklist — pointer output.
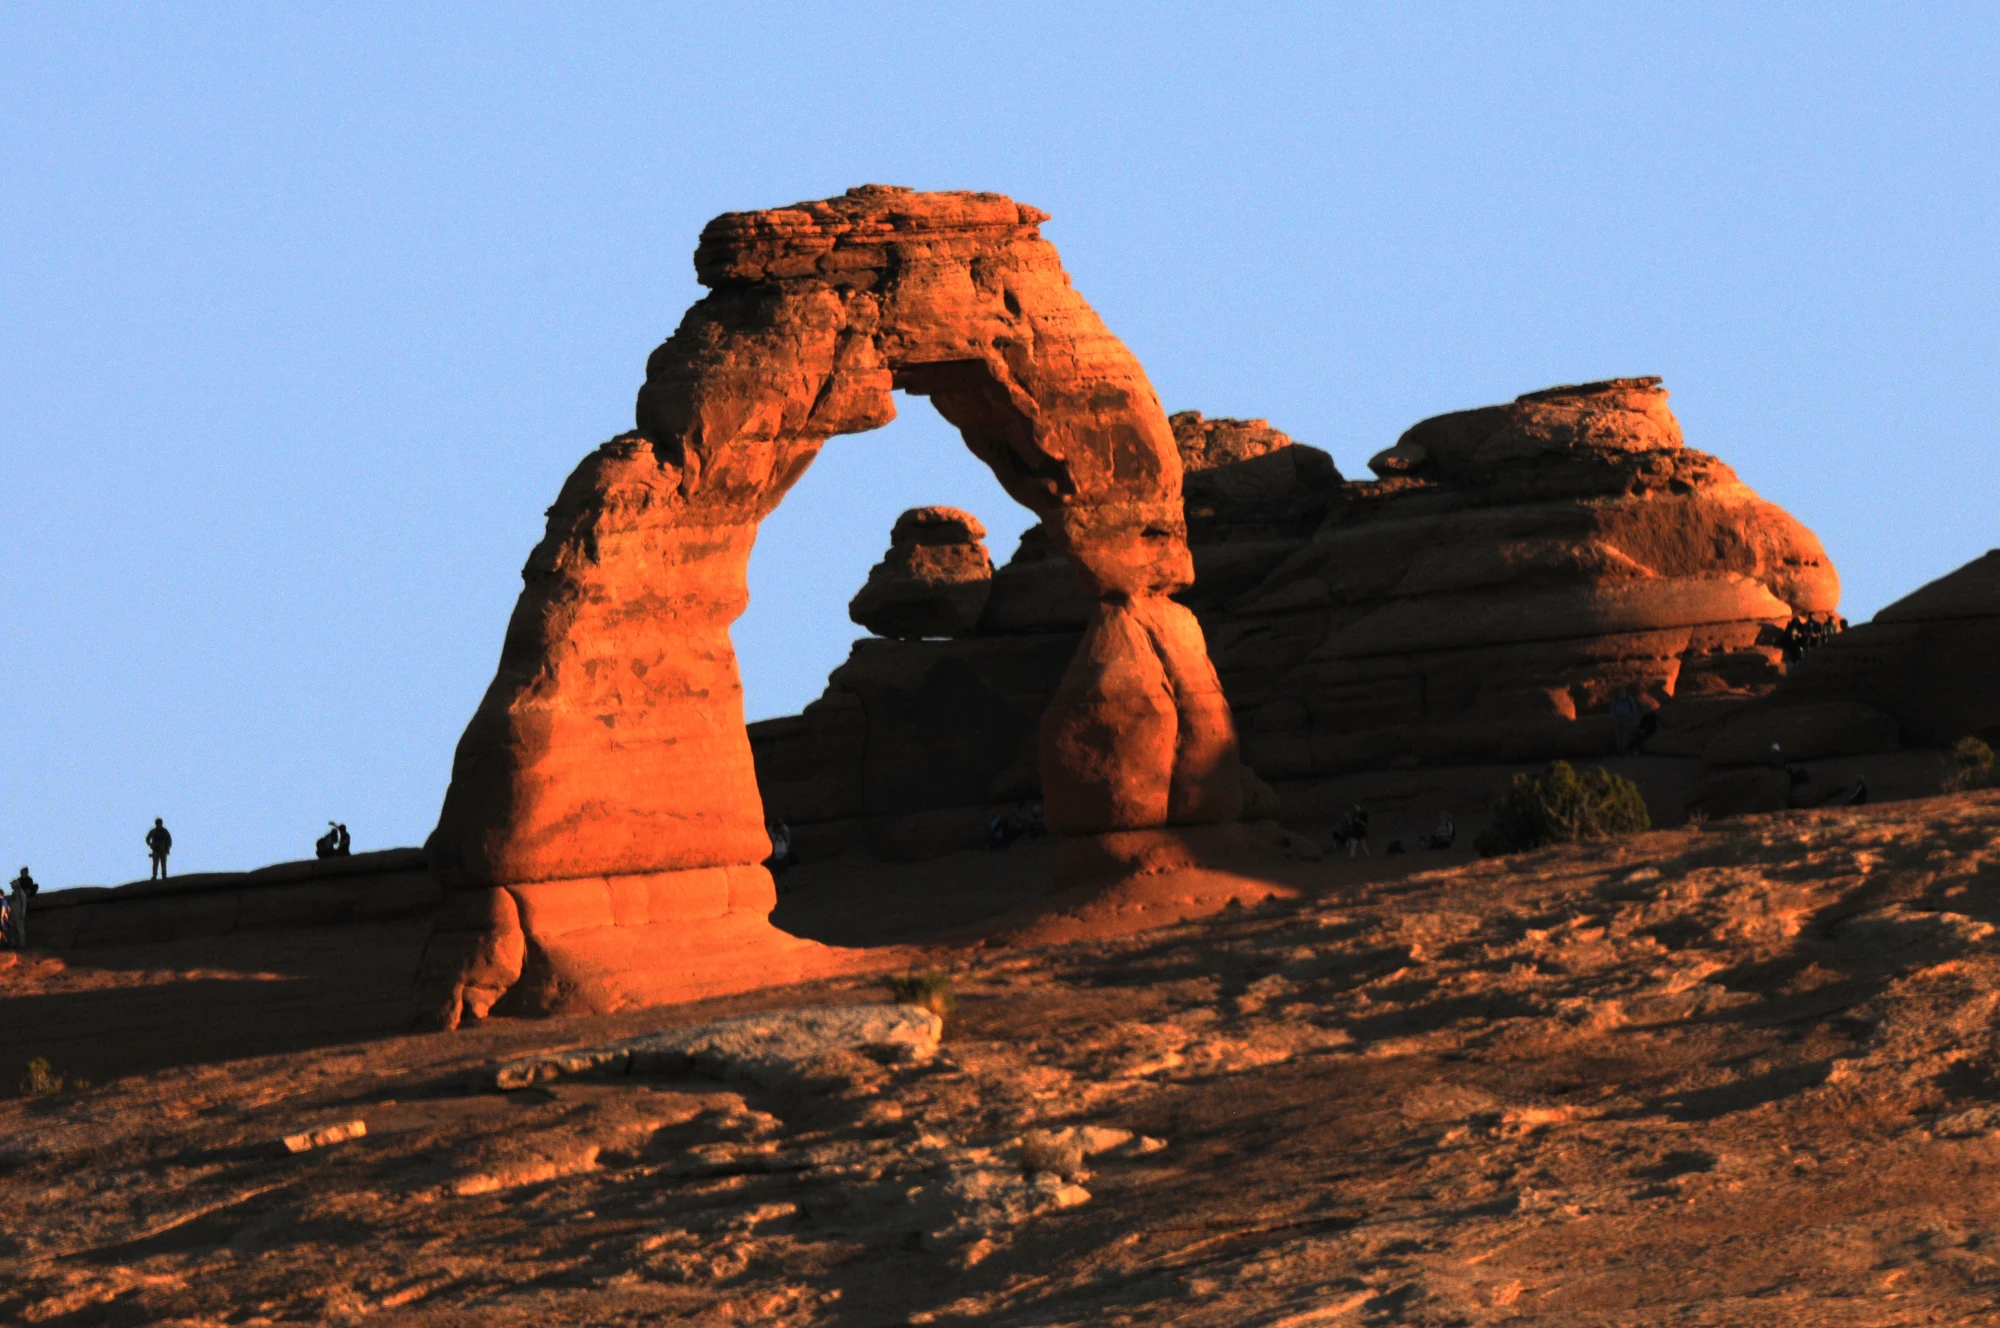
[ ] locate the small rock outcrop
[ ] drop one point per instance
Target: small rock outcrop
(606, 785)
(1919, 675)
(1931, 661)
(933, 581)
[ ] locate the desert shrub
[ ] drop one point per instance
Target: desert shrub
(927, 991)
(1559, 806)
(1060, 1154)
(43, 1081)
(1971, 766)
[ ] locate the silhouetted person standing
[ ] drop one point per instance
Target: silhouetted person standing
(159, 843)
(24, 888)
(343, 843)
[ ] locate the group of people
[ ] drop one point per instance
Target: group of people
(335, 843)
(14, 904)
(1804, 634)
(1352, 834)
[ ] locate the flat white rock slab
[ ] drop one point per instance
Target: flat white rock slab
(767, 1048)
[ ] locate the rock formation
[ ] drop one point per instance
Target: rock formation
(1919, 675)
(1513, 570)
(933, 581)
(915, 745)
(603, 825)
(1930, 661)
(1482, 602)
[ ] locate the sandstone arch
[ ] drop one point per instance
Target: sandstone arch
(603, 828)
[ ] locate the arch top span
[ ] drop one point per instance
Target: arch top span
(819, 311)
(611, 745)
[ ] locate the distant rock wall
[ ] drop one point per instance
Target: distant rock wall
(1483, 601)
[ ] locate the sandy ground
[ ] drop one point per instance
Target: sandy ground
(1740, 1074)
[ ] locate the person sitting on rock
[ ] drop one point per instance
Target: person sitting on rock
(343, 844)
(1441, 838)
(159, 843)
(327, 844)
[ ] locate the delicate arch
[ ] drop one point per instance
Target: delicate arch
(611, 745)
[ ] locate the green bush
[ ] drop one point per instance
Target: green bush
(1559, 806)
(43, 1081)
(927, 991)
(1971, 766)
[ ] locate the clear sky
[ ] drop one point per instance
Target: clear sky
(306, 311)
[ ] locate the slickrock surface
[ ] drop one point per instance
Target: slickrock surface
(1747, 1074)
(933, 581)
(603, 829)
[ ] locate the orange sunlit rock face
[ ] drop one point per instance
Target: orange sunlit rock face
(611, 743)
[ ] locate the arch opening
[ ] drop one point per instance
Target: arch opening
(815, 551)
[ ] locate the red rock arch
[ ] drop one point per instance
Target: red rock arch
(603, 826)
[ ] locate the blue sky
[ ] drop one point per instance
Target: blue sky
(306, 312)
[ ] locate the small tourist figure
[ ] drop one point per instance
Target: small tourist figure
(343, 845)
(1441, 838)
(1625, 721)
(1353, 831)
(159, 843)
(782, 854)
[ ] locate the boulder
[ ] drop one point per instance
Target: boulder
(933, 581)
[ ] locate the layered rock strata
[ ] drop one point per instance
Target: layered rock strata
(1482, 602)
(603, 804)
(1513, 570)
